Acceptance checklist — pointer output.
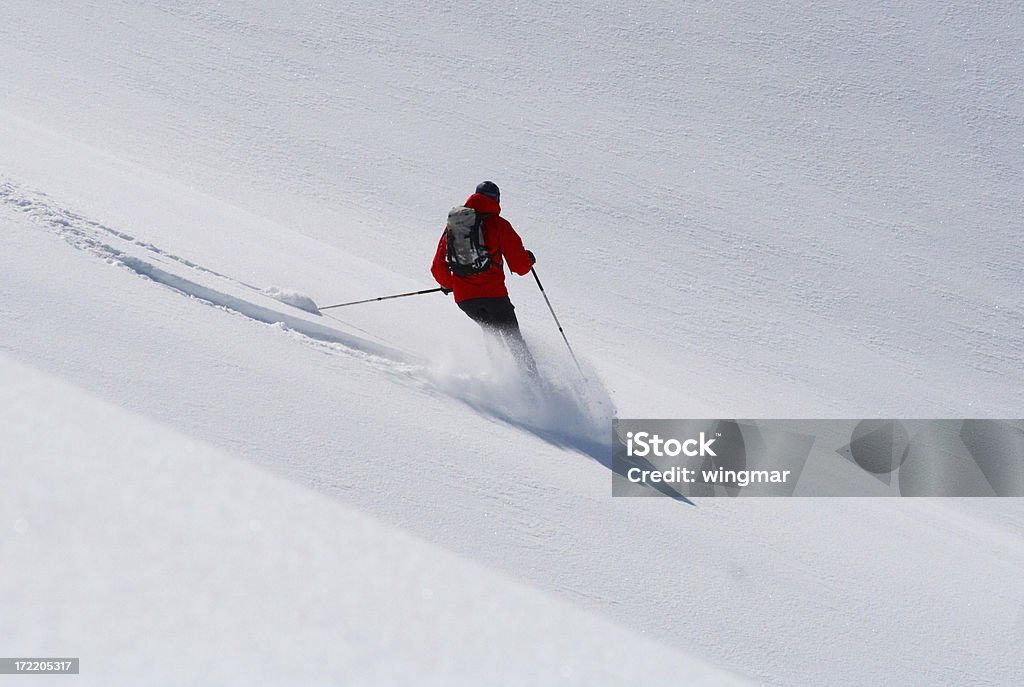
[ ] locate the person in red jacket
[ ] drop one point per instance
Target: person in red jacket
(483, 296)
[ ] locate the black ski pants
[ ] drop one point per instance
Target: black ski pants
(498, 316)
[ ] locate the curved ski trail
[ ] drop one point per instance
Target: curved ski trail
(564, 411)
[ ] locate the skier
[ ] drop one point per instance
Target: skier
(469, 263)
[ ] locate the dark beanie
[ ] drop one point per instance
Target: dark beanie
(489, 189)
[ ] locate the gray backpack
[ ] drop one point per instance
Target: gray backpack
(467, 253)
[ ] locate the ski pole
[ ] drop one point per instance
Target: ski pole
(382, 298)
(559, 324)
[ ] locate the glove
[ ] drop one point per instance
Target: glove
(533, 258)
(445, 291)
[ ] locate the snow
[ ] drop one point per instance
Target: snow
(195, 563)
(296, 298)
(738, 211)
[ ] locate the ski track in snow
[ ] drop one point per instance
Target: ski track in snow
(571, 415)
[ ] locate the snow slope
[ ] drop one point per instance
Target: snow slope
(738, 211)
(159, 559)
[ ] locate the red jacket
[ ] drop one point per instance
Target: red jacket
(503, 243)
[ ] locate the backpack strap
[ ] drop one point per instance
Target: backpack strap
(495, 258)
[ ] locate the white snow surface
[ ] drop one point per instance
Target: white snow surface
(739, 210)
(201, 566)
(299, 300)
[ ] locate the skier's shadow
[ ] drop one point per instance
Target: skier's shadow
(621, 468)
(602, 452)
